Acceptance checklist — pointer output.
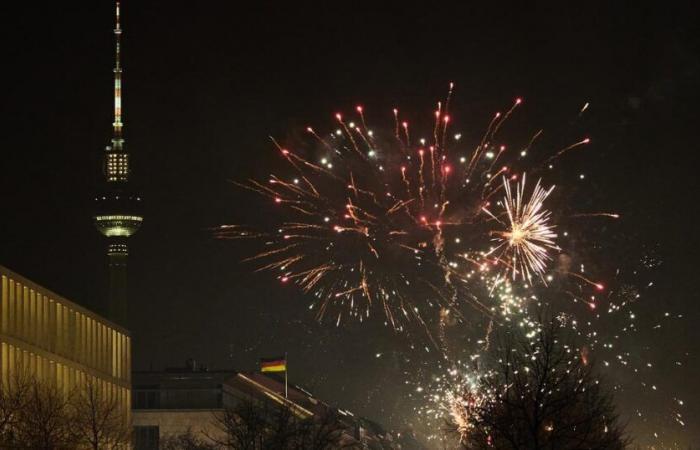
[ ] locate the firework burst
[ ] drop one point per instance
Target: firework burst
(529, 237)
(369, 220)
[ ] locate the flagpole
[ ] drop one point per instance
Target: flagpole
(286, 368)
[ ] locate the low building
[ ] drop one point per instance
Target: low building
(176, 401)
(61, 343)
(185, 400)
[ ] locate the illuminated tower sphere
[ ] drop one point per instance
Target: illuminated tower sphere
(117, 213)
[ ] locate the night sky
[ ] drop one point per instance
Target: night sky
(207, 83)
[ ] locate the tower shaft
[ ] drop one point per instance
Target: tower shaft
(117, 306)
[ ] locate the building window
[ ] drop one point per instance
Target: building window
(146, 438)
(117, 166)
(147, 399)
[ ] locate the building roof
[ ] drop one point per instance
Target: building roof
(256, 384)
(5, 272)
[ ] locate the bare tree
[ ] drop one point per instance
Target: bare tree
(44, 422)
(99, 421)
(283, 428)
(243, 427)
(542, 394)
(13, 398)
(257, 426)
(324, 432)
(187, 441)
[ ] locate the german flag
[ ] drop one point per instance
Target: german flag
(273, 364)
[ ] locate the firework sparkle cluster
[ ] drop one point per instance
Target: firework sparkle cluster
(459, 389)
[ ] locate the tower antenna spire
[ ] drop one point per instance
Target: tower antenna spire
(117, 125)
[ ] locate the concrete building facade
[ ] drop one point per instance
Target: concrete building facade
(60, 343)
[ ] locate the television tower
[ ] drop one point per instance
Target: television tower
(117, 213)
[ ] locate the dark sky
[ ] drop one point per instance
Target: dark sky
(206, 83)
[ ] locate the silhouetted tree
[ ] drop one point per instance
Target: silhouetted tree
(14, 395)
(323, 432)
(99, 421)
(187, 441)
(543, 393)
(45, 420)
(244, 427)
(261, 425)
